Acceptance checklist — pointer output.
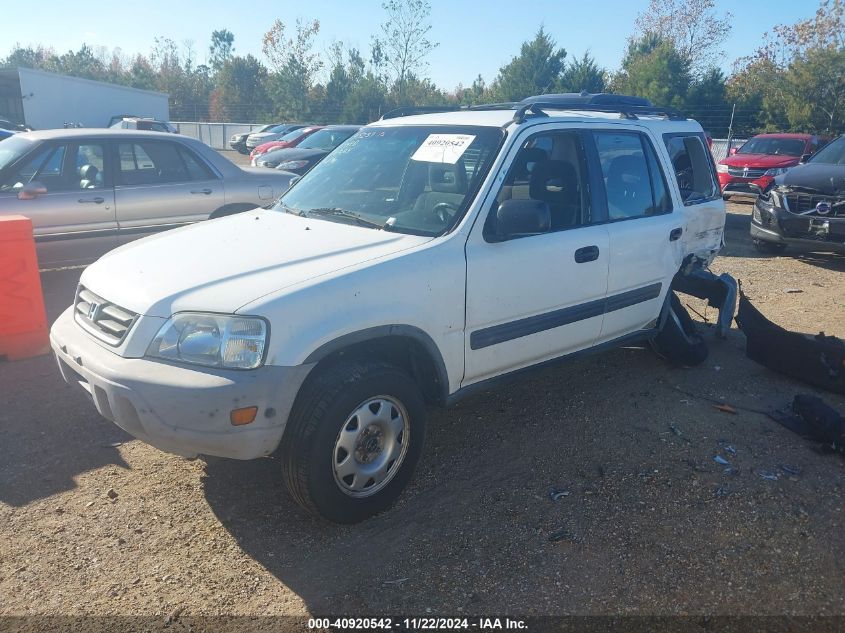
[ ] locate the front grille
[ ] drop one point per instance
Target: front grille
(105, 320)
(744, 172)
(802, 202)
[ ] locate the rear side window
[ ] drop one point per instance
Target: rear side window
(151, 163)
(693, 168)
(633, 180)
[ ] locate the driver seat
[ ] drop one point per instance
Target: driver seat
(447, 183)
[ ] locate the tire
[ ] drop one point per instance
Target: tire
(770, 248)
(375, 409)
(678, 341)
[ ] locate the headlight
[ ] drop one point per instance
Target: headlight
(292, 164)
(776, 172)
(722, 169)
(212, 340)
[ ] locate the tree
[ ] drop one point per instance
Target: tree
(815, 97)
(694, 27)
(221, 49)
(654, 69)
(296, 66)
(404, 44)
(536, 70)
(240, 93)
(705, 102)
(583, 74)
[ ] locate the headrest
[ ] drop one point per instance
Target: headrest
(631, 165)
(554, 180)
(88, 172)
(447, 178)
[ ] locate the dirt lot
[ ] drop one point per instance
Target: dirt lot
(644, 531)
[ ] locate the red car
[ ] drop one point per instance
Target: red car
(291, 139)
(749, 170)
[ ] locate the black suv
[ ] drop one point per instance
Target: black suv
(805, 206)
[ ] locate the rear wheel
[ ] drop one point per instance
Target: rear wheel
(353, 440)
(770, 248)
(679, 341)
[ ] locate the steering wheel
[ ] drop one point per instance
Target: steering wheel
(445, 211)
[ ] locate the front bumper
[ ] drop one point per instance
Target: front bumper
(743, 187)
(179, 409)
(770, 223)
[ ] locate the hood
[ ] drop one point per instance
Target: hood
(259, 135)
(221, 265)
(761, 161)
(292, 153)
(821, 177)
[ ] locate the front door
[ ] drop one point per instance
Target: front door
(540, 296)
(74, 219)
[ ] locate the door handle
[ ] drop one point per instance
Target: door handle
(586, 254)
(675, 234)
(97, 200)
(206, 191)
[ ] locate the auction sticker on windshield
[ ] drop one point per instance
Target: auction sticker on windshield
(443, 148)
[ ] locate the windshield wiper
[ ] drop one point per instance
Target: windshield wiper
(343, 213)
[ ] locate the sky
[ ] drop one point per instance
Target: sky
(475, 37)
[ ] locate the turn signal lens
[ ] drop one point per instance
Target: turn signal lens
(239, 417)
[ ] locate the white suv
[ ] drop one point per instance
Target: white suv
(426, 258)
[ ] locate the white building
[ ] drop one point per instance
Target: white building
(45, 100)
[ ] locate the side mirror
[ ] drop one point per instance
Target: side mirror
(804, 158)
(31, 191)
(732, 151)
(519, 218)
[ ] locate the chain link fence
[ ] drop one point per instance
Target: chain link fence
(217, 135)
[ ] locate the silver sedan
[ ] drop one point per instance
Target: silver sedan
(88, 191)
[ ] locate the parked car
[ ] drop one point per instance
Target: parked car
(143, 123)
(428, 258)
(806, 205)
(309, 152)
(291, 139)
(238, 141)
(88, 191)
(273, 134)
(748, 171)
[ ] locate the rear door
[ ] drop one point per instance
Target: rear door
(645, 234)
(162, 184)
(74, 221)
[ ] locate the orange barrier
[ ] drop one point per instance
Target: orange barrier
(23, 321)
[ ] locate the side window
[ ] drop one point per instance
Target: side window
(44, 166)
(88, 164)
(550, 167)
(633, 179)
(151, 163)
(197, 170)
(692, 166)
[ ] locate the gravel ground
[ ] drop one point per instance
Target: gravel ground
(92, 522)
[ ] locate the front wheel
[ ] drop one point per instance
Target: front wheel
(353, 440)
(679, 341)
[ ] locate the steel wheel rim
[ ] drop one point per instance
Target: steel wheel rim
(371, 446)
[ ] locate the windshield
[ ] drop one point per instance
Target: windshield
(279, 128)
(11, 149)
(409, 179)
(831, 154)
(326, 139)
(292, 135)
(774, 146)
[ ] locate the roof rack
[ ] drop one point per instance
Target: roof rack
(409, 110)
